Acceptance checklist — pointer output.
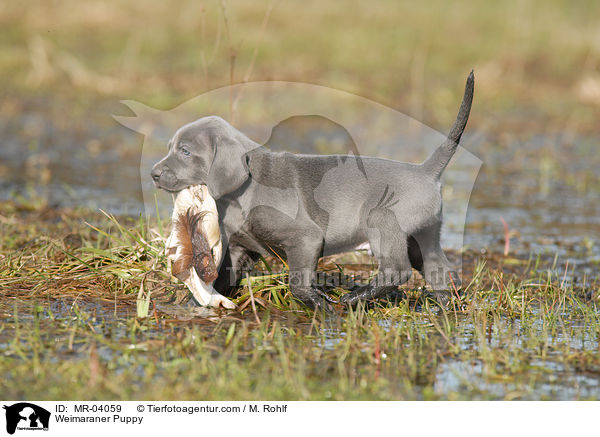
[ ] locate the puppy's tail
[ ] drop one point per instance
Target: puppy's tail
(437, 162)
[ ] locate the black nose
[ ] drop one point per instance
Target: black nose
(155, 173)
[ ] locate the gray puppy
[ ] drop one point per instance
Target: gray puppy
(306, 206)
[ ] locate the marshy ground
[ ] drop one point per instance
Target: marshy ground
(70, 327)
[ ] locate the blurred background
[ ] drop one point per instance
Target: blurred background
(66, 65)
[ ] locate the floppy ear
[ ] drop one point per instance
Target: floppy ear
(229, 169)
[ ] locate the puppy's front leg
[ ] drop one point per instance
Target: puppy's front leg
(237, 261)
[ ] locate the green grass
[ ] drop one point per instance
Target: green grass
(69, 328)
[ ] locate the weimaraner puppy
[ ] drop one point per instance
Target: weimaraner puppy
(306, 206)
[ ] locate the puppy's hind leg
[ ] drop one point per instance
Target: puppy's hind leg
(389, 245)
(427, 256)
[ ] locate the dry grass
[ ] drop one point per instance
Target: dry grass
(68, 311)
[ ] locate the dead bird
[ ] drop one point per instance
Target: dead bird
(194, 246)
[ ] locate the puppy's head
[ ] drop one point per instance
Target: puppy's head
(208, 151)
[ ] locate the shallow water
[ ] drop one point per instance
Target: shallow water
(545, 187)
(467, 375)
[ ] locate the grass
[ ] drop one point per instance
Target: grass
(70, 328)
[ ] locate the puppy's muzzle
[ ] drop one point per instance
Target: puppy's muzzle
(163, 177)
(155, 173)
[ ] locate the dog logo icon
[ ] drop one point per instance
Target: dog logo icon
(26, 416)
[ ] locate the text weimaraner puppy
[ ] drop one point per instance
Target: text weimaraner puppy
(306, 206)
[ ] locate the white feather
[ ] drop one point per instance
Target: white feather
(199, 200)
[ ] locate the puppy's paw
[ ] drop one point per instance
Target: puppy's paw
(367, 293)
(361, 294)
(454, 282)
(444, 298)
(313, 298)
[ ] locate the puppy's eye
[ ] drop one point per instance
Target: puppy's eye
(185, 151)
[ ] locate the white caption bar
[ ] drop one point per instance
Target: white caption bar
(156, 418)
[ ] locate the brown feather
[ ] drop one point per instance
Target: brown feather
(183, 262)
(202, 259)
(194, 248)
